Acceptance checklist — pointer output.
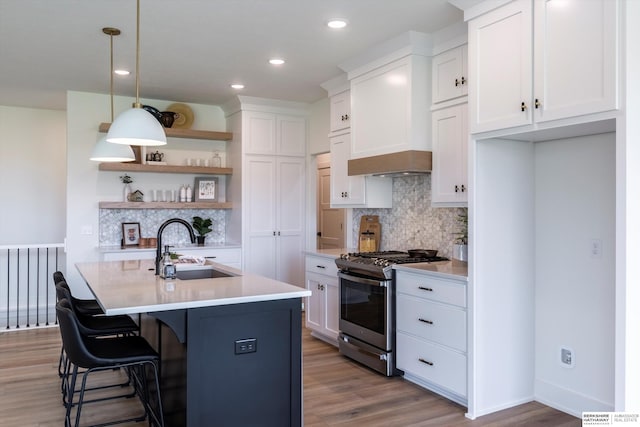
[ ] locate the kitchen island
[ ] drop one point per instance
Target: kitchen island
(230, 346)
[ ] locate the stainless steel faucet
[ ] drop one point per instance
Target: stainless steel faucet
(192, 235)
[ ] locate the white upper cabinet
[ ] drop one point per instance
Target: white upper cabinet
(390, 107)
(500, 67)
(449, 176)
(269, 133)
(450, 76)
(573, 54)
(340, 111)
(355, 191)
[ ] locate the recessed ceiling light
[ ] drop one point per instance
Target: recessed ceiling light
(276, 61)
(237, 86)
(337, 23)
(122, 72)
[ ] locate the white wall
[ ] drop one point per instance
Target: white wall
(86, 186)
(33, 175)
(575, 204)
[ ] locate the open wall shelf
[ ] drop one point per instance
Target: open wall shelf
(164, 205)
(185, 133)
(137, 167)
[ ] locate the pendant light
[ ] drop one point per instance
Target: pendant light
(103, 150)
(137, 126)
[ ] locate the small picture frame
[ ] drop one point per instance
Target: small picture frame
(206, 189)
(130, 234)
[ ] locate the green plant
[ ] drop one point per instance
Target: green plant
(463, 234)
(202, 226)
(126, 179)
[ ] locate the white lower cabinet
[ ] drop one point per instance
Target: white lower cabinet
(322, 307)
(431, 332)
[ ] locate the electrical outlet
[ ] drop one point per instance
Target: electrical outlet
(567, 357)
(249, 345)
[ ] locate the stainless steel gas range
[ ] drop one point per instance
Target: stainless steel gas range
(367, 300)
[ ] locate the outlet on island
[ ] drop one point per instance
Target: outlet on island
(249, 345)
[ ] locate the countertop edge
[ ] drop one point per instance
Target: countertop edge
(444, 269)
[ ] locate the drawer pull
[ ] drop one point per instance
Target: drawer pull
(429, 322)
(321, 266)
(425, 289)
(426, 362)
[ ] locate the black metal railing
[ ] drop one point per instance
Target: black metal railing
(27, 294)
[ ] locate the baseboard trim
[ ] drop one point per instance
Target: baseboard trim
(569, 401)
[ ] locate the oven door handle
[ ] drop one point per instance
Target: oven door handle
(364, 281)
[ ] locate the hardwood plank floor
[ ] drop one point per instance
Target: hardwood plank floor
(337, 392)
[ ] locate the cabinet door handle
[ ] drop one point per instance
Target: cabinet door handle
(537, 103)
(523, 107)
(457, 83)
(425, 289)
(462, 80)
(426, 362)
(428, 322)
(321, 266)
(456, 188)
(278, 233)
(274, 233)
(462, 188)
(322, 287)
(346, 117)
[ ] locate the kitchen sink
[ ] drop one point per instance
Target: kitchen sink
(201, 273)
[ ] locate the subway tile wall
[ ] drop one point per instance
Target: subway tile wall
(150, 220)
(412, 223)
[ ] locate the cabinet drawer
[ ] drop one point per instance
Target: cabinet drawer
(446, 368)
(432, 321)
(321, 265)
(433, 288)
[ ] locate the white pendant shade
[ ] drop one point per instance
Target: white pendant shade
(107, 152)
(136, 127)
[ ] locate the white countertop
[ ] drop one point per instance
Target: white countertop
(130, 287)
(447, 269)
(328, 253)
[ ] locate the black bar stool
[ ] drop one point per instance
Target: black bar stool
(98, 354)
(90, 326)
(85, 306)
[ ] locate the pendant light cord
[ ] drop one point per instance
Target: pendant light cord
(111, 73)
(137, 103)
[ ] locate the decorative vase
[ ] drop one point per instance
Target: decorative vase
(460, 252)
(200, 240)
(125, 192)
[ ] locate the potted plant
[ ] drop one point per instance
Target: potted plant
(202, 227)
(460, 246)
(126, 180)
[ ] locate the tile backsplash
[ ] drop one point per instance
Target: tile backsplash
(150, 220)
(412, 223)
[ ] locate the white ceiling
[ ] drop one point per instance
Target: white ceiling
(191, 50)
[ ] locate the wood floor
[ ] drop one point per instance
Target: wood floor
(337, 392)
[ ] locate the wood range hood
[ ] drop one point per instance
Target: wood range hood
(411, 162)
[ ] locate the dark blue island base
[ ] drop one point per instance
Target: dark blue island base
(230, 365)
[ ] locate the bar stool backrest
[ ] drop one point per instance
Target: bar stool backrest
(72, 339)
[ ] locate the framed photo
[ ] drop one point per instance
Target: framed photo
(206, 189)
(130, 234)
